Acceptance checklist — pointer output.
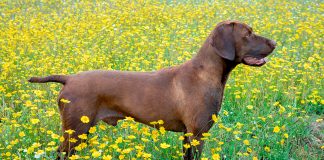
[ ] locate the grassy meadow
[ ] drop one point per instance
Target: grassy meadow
(272, 112)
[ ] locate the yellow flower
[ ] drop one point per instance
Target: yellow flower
(74, 157)
(92, 129)
(206, 134)
(188, 134)
(161, 122)
(85, 119)
(73, 140)
(107, 157)
(21, 134)
(164, 145)
(121, 156)
(81, 146)
(249, 107)
(69, 131)
(147, 155)
(145, 139)
(95, 154)
(65, 100)
(102, 127)
(246, 142)
(129, 118)
(83, 136)
(34, 120)
(255, 158)
(267, 149)
(55, 136)
(61, 139)
(181, 138)
(216, 157)
(8, 154)
(52, 143)
(319, 120)
(286, 135)
(276, 129)
(162, 130)
(187, 145)
(214, 117)
(194, 142)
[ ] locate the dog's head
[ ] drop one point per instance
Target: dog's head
(236, 42)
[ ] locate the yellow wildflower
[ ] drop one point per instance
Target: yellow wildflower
(64, 100)
(276, 129)
(194, 142)
(267, 149)
(85, 119)
(164, 145)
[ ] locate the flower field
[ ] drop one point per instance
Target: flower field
(272, 112)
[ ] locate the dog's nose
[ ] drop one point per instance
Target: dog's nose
(273, 43)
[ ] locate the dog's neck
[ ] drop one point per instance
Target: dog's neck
(214, 65)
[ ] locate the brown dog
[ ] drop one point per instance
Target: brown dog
(185, 97)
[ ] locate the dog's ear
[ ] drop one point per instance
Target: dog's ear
(222, 40)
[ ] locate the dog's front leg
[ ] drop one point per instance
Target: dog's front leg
(187, 152)
(195, 149)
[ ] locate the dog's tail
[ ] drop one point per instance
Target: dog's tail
(53, 78)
